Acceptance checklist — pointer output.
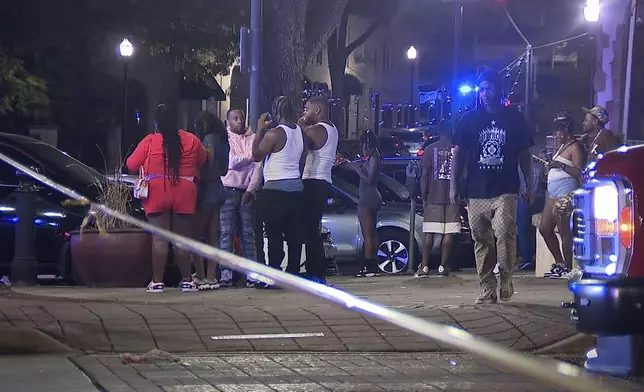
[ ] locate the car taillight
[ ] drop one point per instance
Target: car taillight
(420, 153)
(626, 227)
(602, 226)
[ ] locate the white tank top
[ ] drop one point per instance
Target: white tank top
(285, 164)
(320, 162)
(559, 174)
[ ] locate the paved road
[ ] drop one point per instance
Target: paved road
(119, 320)
(312, 373)
(42, 374)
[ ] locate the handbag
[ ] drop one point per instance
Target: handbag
(141, 189)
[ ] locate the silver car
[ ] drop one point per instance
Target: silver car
(393, 223)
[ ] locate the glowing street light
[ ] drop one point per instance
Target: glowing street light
(591, 11)
(412, 53)
(126, 49)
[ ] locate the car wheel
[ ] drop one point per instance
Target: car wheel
(393, 251)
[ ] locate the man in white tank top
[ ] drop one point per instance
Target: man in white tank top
(322, 138)
(282, 147)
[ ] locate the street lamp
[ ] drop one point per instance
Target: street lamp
(591, 11)
(126, 50)
(412, 53)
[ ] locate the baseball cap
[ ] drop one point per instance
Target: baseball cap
(489, 76)
(600, 112)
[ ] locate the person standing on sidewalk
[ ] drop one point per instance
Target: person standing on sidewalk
(597, 138)
(283, 149)
(440, 215)
(212, 132)
(240, 184)
(369, 202)
(171, 159)
(492, 142)
(322, 139)
(526, 232)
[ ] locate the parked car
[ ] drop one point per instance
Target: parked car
(411, 140)
(53, 222)
(395, 169)
(393, 224)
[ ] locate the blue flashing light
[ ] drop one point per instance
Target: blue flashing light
(465, 89)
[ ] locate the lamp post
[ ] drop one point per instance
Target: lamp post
(412, 54)
(126, 50)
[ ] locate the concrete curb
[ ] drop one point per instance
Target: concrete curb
(25, 341)
(578, 344)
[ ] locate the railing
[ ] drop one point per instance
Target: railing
(556, 373)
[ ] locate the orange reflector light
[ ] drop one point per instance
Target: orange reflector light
(626, 227)
(605, 227)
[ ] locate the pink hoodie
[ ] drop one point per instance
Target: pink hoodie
(243, 172)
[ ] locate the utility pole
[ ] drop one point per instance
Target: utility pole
(255, 95)
(458, 30)
(528, 82)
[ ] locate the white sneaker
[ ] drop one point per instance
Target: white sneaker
(422, 272)
(188, 287)
(155, 287)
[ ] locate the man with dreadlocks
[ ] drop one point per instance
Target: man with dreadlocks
(281, 145)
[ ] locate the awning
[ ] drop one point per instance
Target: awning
(195, 90)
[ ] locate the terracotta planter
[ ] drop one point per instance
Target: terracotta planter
(122, 258)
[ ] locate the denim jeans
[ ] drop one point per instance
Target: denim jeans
(526, 233)
(237, 218)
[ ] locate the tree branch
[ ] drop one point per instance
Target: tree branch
(362, 39)
(323, 18)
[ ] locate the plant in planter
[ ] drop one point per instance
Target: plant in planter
(107, 251)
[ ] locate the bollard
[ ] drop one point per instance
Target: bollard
(24, 266)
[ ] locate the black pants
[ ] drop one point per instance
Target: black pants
(316, 194)
(259, 231)
(282, 215)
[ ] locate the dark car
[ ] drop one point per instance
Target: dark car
(53, 222)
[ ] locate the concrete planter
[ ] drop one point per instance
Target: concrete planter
(121, 258)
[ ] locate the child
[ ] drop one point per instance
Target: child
(440, 216)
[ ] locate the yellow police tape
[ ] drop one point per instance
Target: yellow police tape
(556, 373)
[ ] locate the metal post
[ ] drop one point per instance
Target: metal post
(411, 183)
(126, 72)
(255, 62)
(24, 267)
(629, 68)
(376, 115)
(411, 94)
(458, 27)
(528, 81)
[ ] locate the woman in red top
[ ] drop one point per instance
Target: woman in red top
(171, 159)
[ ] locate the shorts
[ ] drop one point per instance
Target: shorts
(441, 219)
(164, 197)
(562, 187)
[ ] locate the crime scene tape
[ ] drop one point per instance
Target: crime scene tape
(555, 373)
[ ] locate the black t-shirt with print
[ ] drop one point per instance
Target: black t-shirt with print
(491, 143)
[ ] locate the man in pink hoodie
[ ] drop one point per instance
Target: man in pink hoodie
(238, 212)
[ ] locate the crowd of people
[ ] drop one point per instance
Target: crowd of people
(223, 180)
(488, 162)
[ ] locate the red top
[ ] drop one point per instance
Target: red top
(149, 154)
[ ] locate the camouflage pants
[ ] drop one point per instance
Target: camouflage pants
(494, 230)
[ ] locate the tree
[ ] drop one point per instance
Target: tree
(22, 92)
(64, 42)
(294, 31)
(381, 12)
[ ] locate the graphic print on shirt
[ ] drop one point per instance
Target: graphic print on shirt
(491, 142)
(442, 163)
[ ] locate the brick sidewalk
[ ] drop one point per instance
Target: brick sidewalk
(181, 323)
(309, 372)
